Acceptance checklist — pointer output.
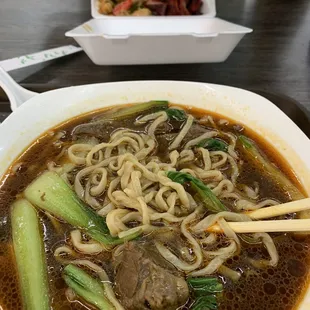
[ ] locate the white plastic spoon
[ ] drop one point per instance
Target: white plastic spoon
(17, 94)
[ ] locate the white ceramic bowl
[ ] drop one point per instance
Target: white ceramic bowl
(49, 109)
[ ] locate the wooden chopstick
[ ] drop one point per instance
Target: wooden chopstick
(266, 226)
(297, 225)
(281, 209)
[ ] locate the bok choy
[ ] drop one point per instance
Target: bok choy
(268, 168)
(205, 291)
(176, 114)
(51, 193)
(208, 198)
(272, 171)
(156, 105)
(88, 288)
(205, 303)
(30, 256)
(213, 144)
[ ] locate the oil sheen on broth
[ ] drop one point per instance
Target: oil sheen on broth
(279, 287)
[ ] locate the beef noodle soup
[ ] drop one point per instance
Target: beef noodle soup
(129, 208)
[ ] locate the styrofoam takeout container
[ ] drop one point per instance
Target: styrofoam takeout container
(208, 9)
(124, 40)
(157, 40)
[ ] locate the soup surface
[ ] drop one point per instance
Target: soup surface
(267, 271)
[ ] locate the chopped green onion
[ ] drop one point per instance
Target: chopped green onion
(30, 256)
(207, 197)
(176, 114)
(51, 193)
(88, 288)
(213, 144)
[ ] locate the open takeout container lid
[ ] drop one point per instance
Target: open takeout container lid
(208, 9)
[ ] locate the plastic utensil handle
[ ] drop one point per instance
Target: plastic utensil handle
(32, 59)
(17, 94)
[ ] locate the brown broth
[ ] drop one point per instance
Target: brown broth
(273, 288)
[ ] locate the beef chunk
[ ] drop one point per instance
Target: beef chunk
(144, 280)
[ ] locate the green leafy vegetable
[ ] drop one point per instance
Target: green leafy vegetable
(90, 289)
(30, 255)
(271, 171)
(207, 197)
(202, 286)
(268, 168)
(135, 6)
(205, 291)
(156, 105)
(51, 193)
(246, 142)
(179, 177)
(205, 303)
(176, 114)
(213, 145)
